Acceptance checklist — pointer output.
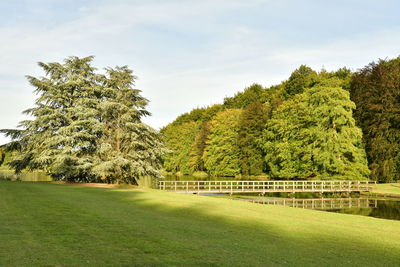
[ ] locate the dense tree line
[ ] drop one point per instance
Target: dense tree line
(86, 126)
(376, 91)
(314, 125)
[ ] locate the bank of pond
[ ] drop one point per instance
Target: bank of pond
(356, 204)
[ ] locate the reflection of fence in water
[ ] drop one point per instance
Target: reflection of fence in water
(320, 203)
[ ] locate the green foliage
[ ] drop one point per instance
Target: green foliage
(344, 74)
(305, 77)
(376, 91)
(2, 156)
(258, 105)
(252, 122)
(128, 149)
(314, 135)
(199, 114)
(180, 140)
(301, 78)
(221, 156)
(242, 99)
(86, 126)
(196, 155)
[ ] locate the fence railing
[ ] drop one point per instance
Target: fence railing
(265, 186)
(319, 203)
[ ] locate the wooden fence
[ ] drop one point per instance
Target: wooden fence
(265, 186)
(319, 203)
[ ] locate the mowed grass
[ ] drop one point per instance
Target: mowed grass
(390, 188)
(44, 224)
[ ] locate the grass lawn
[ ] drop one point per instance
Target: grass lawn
(44, 224)
(392, 189)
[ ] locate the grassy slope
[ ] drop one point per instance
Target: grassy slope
(393, 189)
(47, 224)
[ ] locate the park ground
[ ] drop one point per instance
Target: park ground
(44, 224)
(388, 190)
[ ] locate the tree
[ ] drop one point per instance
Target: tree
(196, 161)
(301, 78)
(221, 156)
(252, 122)
(128, 149)
(376, 91)
(251, 94)
(2, 156)
(63, 133)
(314, 135)
(179, 140)
(72, 125)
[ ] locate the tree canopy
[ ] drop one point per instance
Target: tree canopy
(302, 128)
(314, 135)
(376, 91)
(221, 155)
(251, 124)
(86, 126)
(180, 140)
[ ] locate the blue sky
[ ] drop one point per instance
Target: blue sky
(190, 54)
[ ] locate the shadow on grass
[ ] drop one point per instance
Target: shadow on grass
(80, 225)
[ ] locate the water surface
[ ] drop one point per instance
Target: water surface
(25, 176)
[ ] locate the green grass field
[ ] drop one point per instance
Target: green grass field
(390, 188)
(44, 224)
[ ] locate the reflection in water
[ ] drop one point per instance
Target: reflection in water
(319, 203)
(25, 176)
(379, 208)
(386, 209)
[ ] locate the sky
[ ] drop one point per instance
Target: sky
(192, 53)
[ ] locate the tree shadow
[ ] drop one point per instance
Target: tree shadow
(150, 227)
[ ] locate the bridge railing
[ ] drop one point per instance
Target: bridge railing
(265, 186)
(319, 203)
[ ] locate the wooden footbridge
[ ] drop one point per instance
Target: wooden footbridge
(262, 187)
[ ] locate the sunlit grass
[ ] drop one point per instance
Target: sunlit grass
(390, 188)
(64, 225)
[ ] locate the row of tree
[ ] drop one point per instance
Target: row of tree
(86, 126)
(315, 125)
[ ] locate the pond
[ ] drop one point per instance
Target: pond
(359, 205)
(353, 204)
